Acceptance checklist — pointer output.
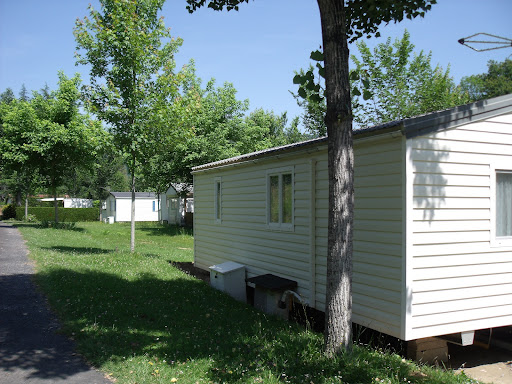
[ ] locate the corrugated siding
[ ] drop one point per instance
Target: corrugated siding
(459, 282)
(377, 278)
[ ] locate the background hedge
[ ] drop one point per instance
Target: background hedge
(65, 214)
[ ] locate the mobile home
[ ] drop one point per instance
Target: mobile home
(432, 220)
(119, 206)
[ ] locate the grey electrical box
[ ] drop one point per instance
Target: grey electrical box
(229, 277)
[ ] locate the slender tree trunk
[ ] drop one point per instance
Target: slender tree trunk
(338, 322)
(26, 207)
(55, 203)
(132, 236)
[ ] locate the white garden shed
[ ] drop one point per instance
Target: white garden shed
(119, 205)
(432, 228)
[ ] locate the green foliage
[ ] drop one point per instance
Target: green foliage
(496, 82)
(133, 81)
(65, 214)
(46, 140)
(401, 84)
(9, 212)
(396, 83)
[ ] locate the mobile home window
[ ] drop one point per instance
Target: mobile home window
(280, 198)
(504, 204)
(217, 200)
(154, 206)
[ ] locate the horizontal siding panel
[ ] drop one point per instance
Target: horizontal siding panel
(378, 237)
(461, 293)
(377, 181)
(472, 136)
(461, 282)
(370, 322)
(394, 156)
(379, 317)
(391, 145)
(277, 266)
(451, 191)
(377, 202)
(381, 214)
(429, 167)
(461, 271)
(451, 202)
(450, 214)
(450, 237)
(464, 259)
(258, 244)
(460, 305)
(390, 191)
(451, 180)
(376, 270)
(457, 157)
(386, 295)
(378, 225)
(377, 169)
(381, 249)
(461, 146)
(461, 316)
(379, 306)
(451, 226)
(450, 249)
(456, 327)
(376, 259)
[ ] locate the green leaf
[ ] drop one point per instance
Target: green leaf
(355, 91)
(317, 56)
(298, 79)
(367, 95)
(354, 75)
(302, 93)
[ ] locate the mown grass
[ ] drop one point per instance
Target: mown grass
(140, 320)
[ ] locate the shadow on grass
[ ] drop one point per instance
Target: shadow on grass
(174, 322)
(79, 250)
(166, 230)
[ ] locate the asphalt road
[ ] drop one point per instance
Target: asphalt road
(30, 349)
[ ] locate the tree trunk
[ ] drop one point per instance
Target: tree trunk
(132, 233)
(338, 119)
(55, 203)
(26, 207)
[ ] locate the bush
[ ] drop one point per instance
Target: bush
(9, 212)
(65, 214)
(53, 224)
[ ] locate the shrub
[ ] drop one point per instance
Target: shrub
(65, 214)
(9, 212)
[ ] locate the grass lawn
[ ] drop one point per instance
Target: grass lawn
(140, 320)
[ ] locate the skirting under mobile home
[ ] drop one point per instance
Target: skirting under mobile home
(432, 221)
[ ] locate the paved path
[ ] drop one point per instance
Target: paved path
(30, 349)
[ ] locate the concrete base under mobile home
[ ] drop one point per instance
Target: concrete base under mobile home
(428, 350)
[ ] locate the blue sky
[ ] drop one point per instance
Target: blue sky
(257, 49)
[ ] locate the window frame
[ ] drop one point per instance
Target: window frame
(498, 241)
(217, 200)
(280, 172)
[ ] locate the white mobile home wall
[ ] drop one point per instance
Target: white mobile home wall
(120, 208)
(426, 262)
(459, 280)
(242, 235)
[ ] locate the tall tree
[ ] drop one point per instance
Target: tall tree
(64, 139)
(401, 83)
(18, 161)
(341, 21)
(131, 55)
(496, 82)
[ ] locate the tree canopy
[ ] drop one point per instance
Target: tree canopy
(496, 82)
